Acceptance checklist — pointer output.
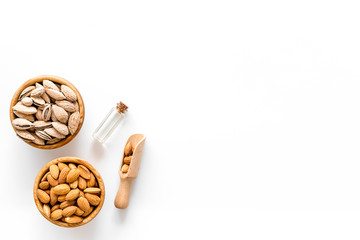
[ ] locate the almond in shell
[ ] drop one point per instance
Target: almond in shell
(50, 85)
(55, 94)
(25, 135)
(60, 114)
(26, 92)
(61, 128)
(66, 105)
(22, 124)
(28, 117)
(69, 93)
(24, 109)
(53, 133)
(74, 121)
(27, 101)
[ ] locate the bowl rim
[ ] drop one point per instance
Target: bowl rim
(55, 79)
(76, 160)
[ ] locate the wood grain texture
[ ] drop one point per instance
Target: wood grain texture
(69, 160)
(55, 79)
(122, 198)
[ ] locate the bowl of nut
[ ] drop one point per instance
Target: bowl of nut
(69, 192)
(47, 112)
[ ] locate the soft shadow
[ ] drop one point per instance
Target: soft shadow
(97, 149)
(119, 215)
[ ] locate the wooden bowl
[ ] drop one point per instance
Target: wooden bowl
(56, 80)
(76, 161)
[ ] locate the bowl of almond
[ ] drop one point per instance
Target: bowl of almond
(47, 112)
(69, 192)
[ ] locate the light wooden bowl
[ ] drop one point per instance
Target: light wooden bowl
(76, 161)
(55, 79)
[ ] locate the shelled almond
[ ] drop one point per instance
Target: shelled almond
(46, 113)
(128, 151)
(64, 201)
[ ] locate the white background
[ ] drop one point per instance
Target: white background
(250, 108)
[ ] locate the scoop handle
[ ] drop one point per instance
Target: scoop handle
(123, 195)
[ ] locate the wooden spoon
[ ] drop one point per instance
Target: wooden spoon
(123, 195)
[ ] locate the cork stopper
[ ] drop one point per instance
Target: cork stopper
(121, 107)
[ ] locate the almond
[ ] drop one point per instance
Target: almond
(56, 215)
(66, 204)
(92, 190)
(82, 183)
(44, 185)
(72, 166)
(61, 198)
(73, 175)
(67, 212)
(53, 182)
(54, 171)
(92, 181)
(128, 149)
(127, 160)
(125, 168)
(83, 204)
(93, 199)
(44, 178)
(72, 195)
(46, 209)
(43, 196)
(79, 212)
(73, 219)
(55, 207)
(84, 172)
(53, 197)
(74, 184)
(61, 189)
(62, 166)
(87, 213)
(63, 174)
(82, 194)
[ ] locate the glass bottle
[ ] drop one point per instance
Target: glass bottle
(110, 122)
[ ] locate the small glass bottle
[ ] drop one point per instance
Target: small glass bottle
(110, 122)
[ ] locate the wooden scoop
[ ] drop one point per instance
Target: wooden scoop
(123, 195)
